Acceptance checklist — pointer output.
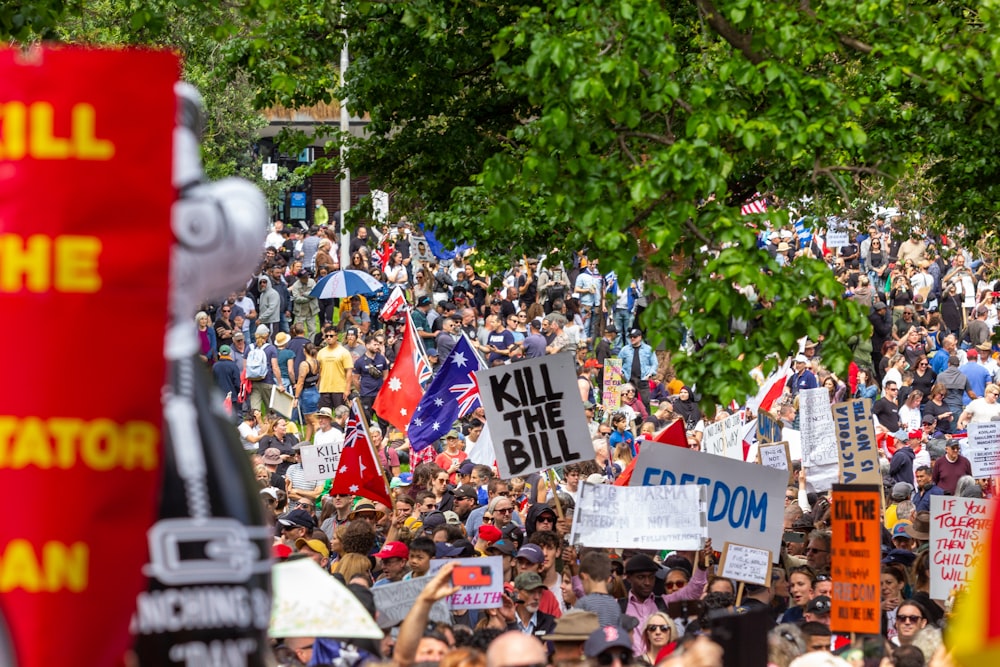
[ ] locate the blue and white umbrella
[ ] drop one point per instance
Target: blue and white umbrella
(347, 282)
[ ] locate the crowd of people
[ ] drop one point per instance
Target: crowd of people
(928, 368)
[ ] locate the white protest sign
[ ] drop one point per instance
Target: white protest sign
(959, 530)
(535, 414)
(857, 449)
(746, 501)
(481, 580)
(320, 462)
(837, 239)
(983, 448)
(743, 563)
(819, 439)
(775, 455)
(722, 438)
(394, 601)
(633, 517)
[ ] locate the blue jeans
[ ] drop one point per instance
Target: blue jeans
(623, 322)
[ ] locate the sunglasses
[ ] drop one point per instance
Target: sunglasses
(506, 510)
(823, 577)
(661, 628)
(487, 519)
(674, 584)
(908, 619)
(607, 659)
(814, 550)
(329, 335)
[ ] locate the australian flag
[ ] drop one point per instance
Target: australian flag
(452, 394)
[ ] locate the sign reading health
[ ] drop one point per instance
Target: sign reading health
(746, 501)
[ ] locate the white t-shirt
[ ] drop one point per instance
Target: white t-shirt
(982, 411)
(245, 429)
(334, 438)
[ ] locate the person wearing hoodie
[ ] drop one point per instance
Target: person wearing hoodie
(269, 305)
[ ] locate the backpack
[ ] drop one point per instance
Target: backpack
(256, 364)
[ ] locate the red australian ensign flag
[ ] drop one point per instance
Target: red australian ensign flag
(401, 391)
(359, 473)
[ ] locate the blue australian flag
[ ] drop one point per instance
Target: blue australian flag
(452, 394)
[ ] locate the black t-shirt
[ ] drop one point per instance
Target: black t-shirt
(530, 295)
(887, 414)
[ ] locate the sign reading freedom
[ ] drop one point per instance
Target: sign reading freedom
(85, 238)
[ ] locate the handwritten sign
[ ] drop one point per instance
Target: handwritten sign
(395, 600)
(535, 414)
(746, 502)
(320, 462)
(78, 169)
(856, 559)
(744, 563)
(983, 448)
(775, 455)
(857, 451)
(611, 393)
(768, 427)
(819, 440)
(481, 580)
(722, 438)
(632, 517)
(959, 528)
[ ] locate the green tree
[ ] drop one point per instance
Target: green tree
(634, 129)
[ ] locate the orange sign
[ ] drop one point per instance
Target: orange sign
(856, 559)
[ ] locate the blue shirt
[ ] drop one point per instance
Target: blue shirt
(978, 376)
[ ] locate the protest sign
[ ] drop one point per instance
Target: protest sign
(856, 559)
(775, 455)
(983, 448)
(85, 237)
(768, 427)
(481, 580)
(746, 502)
(611, 394)
(819, 440)
(856, 446)
(535, 414)
(722, 438)
(319, 462)
(747, 564)
(959, 529)
(632, 517)
(395, 600)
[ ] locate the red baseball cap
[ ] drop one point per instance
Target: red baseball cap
(490, 533)
(394, 550)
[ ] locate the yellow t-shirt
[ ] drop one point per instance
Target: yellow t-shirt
(333, 366)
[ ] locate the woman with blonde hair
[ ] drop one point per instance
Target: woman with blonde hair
(352, 565)
(659, 633)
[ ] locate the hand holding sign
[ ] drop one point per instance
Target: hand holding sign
(439, 587)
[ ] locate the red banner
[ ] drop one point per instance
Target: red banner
(85, 197)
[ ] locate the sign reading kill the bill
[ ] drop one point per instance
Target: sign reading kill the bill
(85, 201)
(856, 559)
(535, 414)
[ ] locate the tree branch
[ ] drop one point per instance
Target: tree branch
(727, 31)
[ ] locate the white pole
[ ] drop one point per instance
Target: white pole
(345, 182)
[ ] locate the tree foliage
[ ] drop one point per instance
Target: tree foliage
(634, 129)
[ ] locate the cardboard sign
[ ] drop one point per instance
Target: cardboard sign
(768, 427)
(85, 199)
(983, 449)
(481, 580)
(395, 600)
(743, 563)
(775, 455)
(722, 438)
(746, 502)
(959, 530)
(320, 462)
(819, 440)
(611, 392)
(856, 559)
(632, 517)
(856, 447)
(535, 414)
